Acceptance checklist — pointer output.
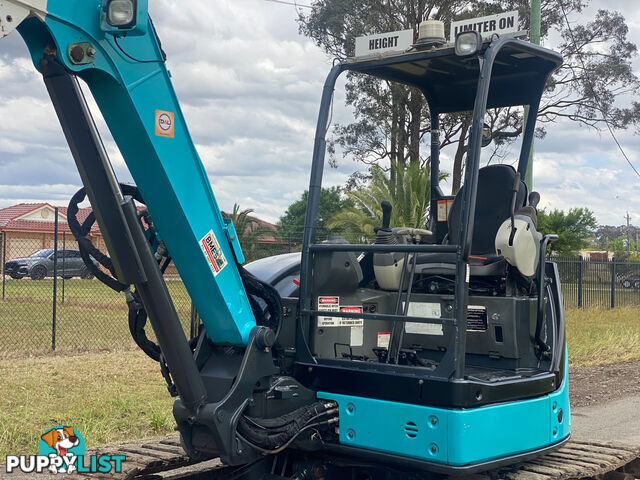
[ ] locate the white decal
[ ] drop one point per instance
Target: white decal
(357, 337)
(428, 310)
(383, 339)
(213, 252)
(502, 24)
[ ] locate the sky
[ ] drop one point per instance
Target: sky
(250, 86)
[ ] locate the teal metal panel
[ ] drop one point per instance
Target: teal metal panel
(132, 87)
(454, 437)
(496, 431)
(399, 428)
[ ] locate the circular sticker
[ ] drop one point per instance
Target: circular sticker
(164, 122)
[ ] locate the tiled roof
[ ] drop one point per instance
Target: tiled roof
(10, 218)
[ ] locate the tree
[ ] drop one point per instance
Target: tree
(574, 229)
(391, 121)
(249, 230)
(409, 193)
(331, 202)
(608, 233)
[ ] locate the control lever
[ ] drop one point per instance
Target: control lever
(516, 189)
(386, 217)
(386, 214)
(534, 199)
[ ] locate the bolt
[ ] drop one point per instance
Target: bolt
(91, 52)
(350, 408)
(434, 420)
(449, 308)
(315, 436)
(495, 316)
(310, 369)
(555, 431)
(9, 18)
(350, 434)
(420, 382)
(434, 449)
(77, 53)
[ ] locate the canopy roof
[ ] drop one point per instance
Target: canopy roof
(450, 82)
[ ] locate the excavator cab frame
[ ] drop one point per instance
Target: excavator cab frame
(504, 72)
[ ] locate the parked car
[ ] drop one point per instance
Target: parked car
(40, 265)
(631, 281)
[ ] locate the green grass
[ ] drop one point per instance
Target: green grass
(108, 397)
(92, 317)
(118, 396)
(603, 336)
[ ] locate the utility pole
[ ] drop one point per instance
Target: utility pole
(534, 37)
(628, 219)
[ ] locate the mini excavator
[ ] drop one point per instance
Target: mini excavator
(427, 352)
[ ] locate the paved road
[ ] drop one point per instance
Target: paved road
(616, 421)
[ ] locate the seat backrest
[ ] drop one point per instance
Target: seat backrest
(493, 207)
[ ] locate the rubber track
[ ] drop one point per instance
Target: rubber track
(577, 460)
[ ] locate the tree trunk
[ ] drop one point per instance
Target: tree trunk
(394, 134)
(402, 130)
(457, 162)
(415, 111)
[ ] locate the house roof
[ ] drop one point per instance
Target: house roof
(13, 218)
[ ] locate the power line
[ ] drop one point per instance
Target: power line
(295, 4)
(604, 115)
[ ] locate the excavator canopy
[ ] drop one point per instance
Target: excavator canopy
(450, 82)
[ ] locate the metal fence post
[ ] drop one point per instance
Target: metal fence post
(4, 260)
(64, 255)
(580, 282)
(55, 279)
(613, 282)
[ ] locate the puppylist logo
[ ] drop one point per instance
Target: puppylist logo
(62, 450)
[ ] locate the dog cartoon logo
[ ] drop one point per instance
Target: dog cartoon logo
(63, 442)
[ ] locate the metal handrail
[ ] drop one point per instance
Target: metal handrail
(400, 248)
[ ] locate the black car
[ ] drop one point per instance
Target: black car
(631, 281)
(40, 265)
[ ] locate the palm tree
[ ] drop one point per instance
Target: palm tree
(247, 228)
(409, 193)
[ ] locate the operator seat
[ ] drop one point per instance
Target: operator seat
(493, 207)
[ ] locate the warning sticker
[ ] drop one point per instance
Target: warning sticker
(213, 252)
(332, 304)
(428, 310)
(383, 339)
(444, 209)
(165, 124)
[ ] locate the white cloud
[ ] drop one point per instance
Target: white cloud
(250, 87)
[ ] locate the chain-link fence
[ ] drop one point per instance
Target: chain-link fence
(87, 315)
(39, 266)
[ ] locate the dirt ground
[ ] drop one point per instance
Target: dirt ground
(595, 385)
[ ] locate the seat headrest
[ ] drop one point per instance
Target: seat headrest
(493, 206)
